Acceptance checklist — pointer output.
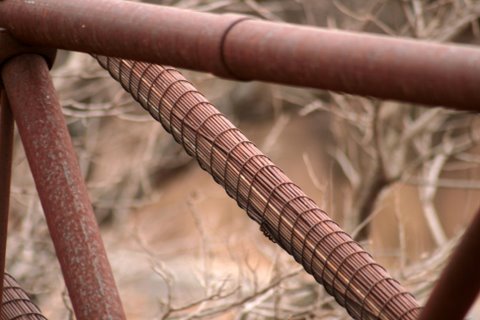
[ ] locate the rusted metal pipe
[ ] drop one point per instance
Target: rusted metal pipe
(285, 214)
(459, 284)
(62, 192)
(16, 304)
(6, 149)
(238, 47)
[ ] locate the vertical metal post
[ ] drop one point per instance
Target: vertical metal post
(459, 283)
(6, 147)
(62, 191)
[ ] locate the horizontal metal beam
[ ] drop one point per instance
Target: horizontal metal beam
(238, 47)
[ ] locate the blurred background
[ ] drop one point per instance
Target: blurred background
(403, 179)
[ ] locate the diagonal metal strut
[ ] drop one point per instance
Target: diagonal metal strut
(285, 214)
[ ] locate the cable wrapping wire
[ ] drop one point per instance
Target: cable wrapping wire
(16, 304)
(285, 214)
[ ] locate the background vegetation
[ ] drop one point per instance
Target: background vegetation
(403, 179)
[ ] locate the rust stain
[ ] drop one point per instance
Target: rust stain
(16, 304)
(284, 212)
(459, 284)
(239, 47)
(6, 150)
(62, 191)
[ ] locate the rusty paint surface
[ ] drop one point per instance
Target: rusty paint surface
(62, 192)
(145, 32)
(248, 49)
(6, 149)
(459, 283)
(285, 214)
(16, 303)
(10, 47)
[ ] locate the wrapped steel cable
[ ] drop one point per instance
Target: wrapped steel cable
(285, 214)
(16, 304)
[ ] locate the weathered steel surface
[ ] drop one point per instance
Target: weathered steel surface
(16, 304)
(10, 47)
(285, 214)
(129, 29)
(238, 47)
(6, 149)
(459, 283)
(62, 192)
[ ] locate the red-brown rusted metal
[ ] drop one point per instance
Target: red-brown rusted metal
(6, 148)
(285, 214)
(10, 47)
(62, 192)
(459, 283)
(16, 304)
(242, 48)
(238, 47)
